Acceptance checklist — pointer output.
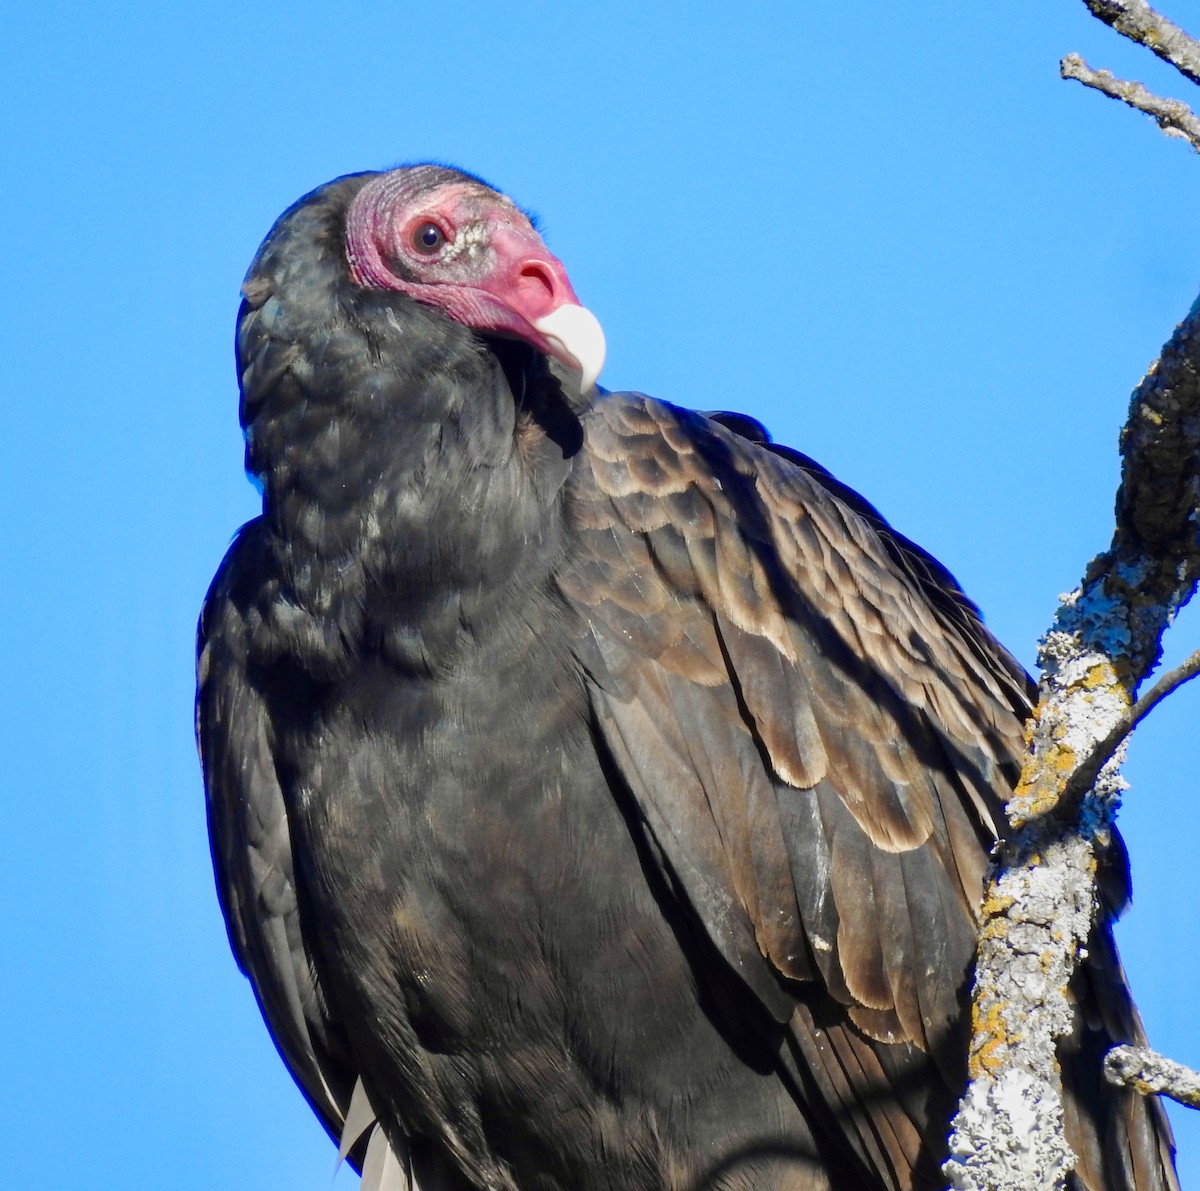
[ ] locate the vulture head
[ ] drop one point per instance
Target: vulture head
(448, 240)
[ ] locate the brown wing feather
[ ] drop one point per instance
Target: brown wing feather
(819, 745)
(720, 575)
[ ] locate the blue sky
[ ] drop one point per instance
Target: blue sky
(909, 249)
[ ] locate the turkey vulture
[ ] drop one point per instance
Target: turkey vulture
(600, 795)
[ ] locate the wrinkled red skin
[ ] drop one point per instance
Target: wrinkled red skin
(493, 273)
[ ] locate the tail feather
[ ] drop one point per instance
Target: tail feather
(1122, 1139)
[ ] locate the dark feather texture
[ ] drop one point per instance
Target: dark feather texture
(607, 788)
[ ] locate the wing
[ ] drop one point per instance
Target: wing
(252, 848)
(818, 734)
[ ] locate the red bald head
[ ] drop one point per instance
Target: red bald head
(446, 239)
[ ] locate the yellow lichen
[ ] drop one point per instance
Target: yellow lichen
(992, 1039)
(996, 904)
(1100, 674)
(1043, 777)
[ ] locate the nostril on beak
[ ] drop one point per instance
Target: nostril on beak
(537, 284)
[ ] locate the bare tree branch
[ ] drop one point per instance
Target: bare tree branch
(1173, 116)
(1106, 638)
(1039, 910)
(1152, 1074)
(1139, 22)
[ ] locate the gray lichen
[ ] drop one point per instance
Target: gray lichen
(1038, 915)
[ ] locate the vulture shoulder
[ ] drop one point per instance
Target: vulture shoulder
(813, 720)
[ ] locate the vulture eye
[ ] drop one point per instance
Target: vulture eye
(428, 238)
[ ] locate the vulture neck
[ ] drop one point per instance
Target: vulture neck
(421, 471)
(410, 469)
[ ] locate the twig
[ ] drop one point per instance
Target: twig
(1152, 1074)
(1173, 116)
(1139, 22)
(1084, 777)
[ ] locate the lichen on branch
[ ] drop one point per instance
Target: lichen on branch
(1152, 1074)
(1106, 638)
(1173, 116)
(1139, 22)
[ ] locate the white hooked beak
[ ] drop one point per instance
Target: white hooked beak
(576, 336)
